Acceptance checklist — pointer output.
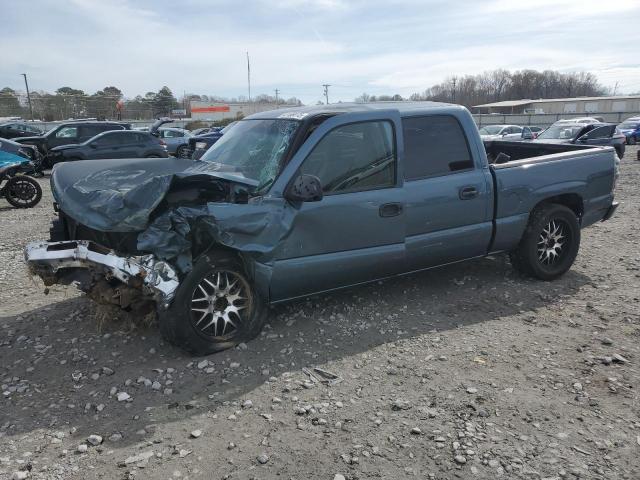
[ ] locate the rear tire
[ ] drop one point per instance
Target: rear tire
(215, 308)
(550, 243)
(153, 156)
(22, 191)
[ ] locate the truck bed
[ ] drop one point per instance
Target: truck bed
(580, 176)
(525, 150)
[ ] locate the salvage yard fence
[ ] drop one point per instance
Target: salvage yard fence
(537, 119)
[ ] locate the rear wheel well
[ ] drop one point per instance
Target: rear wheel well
(572, 201)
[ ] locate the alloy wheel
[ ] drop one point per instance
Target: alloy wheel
(220, 303)
(552, 241)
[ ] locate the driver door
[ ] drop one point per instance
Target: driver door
(356, 232)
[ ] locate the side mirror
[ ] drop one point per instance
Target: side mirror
(305, 188)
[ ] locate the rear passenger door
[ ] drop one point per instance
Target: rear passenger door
(448, 196)
(356, 232)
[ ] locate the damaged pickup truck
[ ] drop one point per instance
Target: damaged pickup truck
(295, 202)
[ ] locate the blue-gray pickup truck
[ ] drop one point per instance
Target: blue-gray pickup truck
(295, 202)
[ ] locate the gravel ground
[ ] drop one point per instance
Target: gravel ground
(469, 371)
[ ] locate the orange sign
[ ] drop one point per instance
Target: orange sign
(218, 108)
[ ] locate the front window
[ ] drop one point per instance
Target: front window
(560, 132)
(491, 130)
(67, 132)
(354, 158)
(629, 125)
(254, 149)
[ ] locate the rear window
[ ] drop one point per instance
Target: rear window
(434, 145)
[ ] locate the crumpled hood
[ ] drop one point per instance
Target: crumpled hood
(119, 195)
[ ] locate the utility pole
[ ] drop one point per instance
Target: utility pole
(249, 76)
(277, 91)
(615, 89)
(326, 91)
(454, 89)
(26, 84)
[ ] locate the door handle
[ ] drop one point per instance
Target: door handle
(390, 209)
(467, 193)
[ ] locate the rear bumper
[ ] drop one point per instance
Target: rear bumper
(610, 211)
(70, 261)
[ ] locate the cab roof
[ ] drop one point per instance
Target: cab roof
(299, 113)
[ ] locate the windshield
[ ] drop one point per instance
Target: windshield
(490, 130)
(253, 149)
(561, 132)
(629, 125)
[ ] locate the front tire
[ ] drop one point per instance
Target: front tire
(23, 191)
(215, 308)
(550, 243)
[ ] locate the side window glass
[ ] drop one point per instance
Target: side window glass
(107, 140)
(356, 157)
(67, 132)
(434, 145)
(87, 131)
(600, 132)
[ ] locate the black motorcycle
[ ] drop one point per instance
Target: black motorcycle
(16, 185)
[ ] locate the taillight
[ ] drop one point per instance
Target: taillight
(162, 142)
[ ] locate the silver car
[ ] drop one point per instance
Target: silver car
(501, 132)
(174, 138)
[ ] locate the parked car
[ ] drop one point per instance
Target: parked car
(113, 144)
(535, 130)
(504, 132)
(585, 134)
(294, 202)
(584, 120)
(67, 133)
(18, 129)
(174, 138)
(630, 128)
(200, 144)
(14, 148)
(202, 131)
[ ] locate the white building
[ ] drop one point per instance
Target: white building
(577, 105)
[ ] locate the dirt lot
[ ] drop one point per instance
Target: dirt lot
(467, 371)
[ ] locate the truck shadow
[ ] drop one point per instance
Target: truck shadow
(48, 356)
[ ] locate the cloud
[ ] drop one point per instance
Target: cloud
(297, 45)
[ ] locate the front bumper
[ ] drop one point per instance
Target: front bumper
(70, 261)
(610, 211)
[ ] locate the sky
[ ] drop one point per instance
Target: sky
(356, 46)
